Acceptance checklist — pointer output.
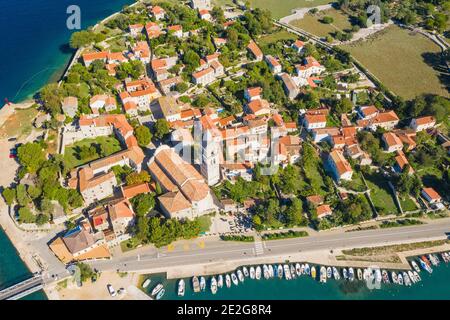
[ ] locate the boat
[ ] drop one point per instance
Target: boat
(275, 270)
(344, 273)
(424, 259)
(157, 289)
(195, 284)
(280, 271)
(252, 273)
(245, 271)
(411, 276)
(302, 269)
(234, 279)
(432, 259)
(425, 266)
(213, 285)
(181, 287)
(287, 272)
(298, 269)
(447, 255)
(366, 274)
(307, 269)
(360, 274)
(258, 273)
(146, 283)
(351, 274)
(220, 281)
(313, 272)
(436, 259)
(329, 272)
(271, 272)
(385, 276)
(228, 280)
(160, 294)
(240, 275)
(336, 274)
(377, 275)
(394, 277)
(266, 272)
(415, 266)
(323, 274)
(417, 276)
(444, 257)
(400, 279)
(406, 279)
(202, 283)
(293, 273)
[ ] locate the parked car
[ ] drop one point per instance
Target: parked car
(12, 139)
(111, 290)
(12, 156)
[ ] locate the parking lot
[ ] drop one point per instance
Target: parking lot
(235, 223)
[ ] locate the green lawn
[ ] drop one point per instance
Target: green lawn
(356, 184)
(407, 204)
(432, 177)
(19, 124)
(315, 179)
(282, 8)
(313, 23)
(402, 61)
(71, 155)
(275, 37)
(205, 223)
(381, 194)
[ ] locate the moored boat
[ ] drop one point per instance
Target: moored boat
(351, 274)
(287, 272)
(160, 294)
(424, 259)
(252, 273)
(293, 273)
(220, 281)
(400, 279)
(406, 279)
(415, 266)
(323, 274)
(240, 275)
(228, 280)
(202, 283)
(245, 271)
(385, 276)
(280, 271)
(266, 272)
(336, 274)
(157, 289)
(432, 259)
(411, 276)
(146, 283)
(307, 269)
(329, 272)
(213, 285)
(302, 269)
(394, 277)
(313, 272)
(234, 279)
(345, 273)
(425, 266)
(377, 275)
(271, 272)
(181, 287)
(196, 284)
(416, 275)
(258, 273)
(298, 269)
(360, 274)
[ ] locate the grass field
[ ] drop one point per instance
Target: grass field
(282, 8)
(381, 194)
(275, 37)
(407, 204)
(312, 22)
(19, 124)
(398, 59)
(71, 154)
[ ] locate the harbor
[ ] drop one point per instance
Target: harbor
(309, 281)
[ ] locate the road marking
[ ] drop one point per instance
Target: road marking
(259, 248)
(201, 244)
(170, 248)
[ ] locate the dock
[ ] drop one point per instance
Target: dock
(22, 289)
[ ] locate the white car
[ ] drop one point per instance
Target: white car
(111, 290)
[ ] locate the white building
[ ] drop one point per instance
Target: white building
(422, 123)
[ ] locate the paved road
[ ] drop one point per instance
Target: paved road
(217, 251)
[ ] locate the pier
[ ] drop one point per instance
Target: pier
(22, 289)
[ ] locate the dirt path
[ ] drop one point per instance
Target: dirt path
(300, 13)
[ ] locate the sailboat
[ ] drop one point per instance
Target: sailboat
(220, 281)
(181, 287)
(228, 280)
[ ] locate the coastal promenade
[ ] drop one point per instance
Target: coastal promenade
(216, 256)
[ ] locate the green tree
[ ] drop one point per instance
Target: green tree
(161, 128)
(26, 216)
(31, 156)
(143, 135)
(22, 196)
(9, 194)
(143, 204)
(137, 178)
(86, 271)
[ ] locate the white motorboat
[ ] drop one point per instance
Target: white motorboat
(245, 270)
(146, 283)
(302, 269)
(240, 275)
(220, 281)
(234, 279)
(298, 269)
(336, 274)
(417, 276)
(411, 276)
(360, 274)
(271, 271)
(307, 269)
(202, 283)
(160, 294)
(252, 273)
(227, 280)
(213, 285)
(287, 272)
(258, 273)
(266, 272)
(293, 272)
(345, 273)
(415, 266)
(394, 277)
(157, 289)
(329, 272)
(323, 274)
(385, 276)
(181, 287)
(406, 279)
(280, 271)
(351, 274)
(377, 274)
(425, 266)
(400, 279)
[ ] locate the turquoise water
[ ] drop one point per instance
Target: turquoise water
(432, 286)
(12, 268)
(34, 41)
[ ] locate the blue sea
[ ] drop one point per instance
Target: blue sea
(34, 41)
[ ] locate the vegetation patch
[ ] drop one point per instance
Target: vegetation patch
(282, 8)
(400, 223)
(381, 194)
(285, 235)
(374, 251)
(238, 238)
